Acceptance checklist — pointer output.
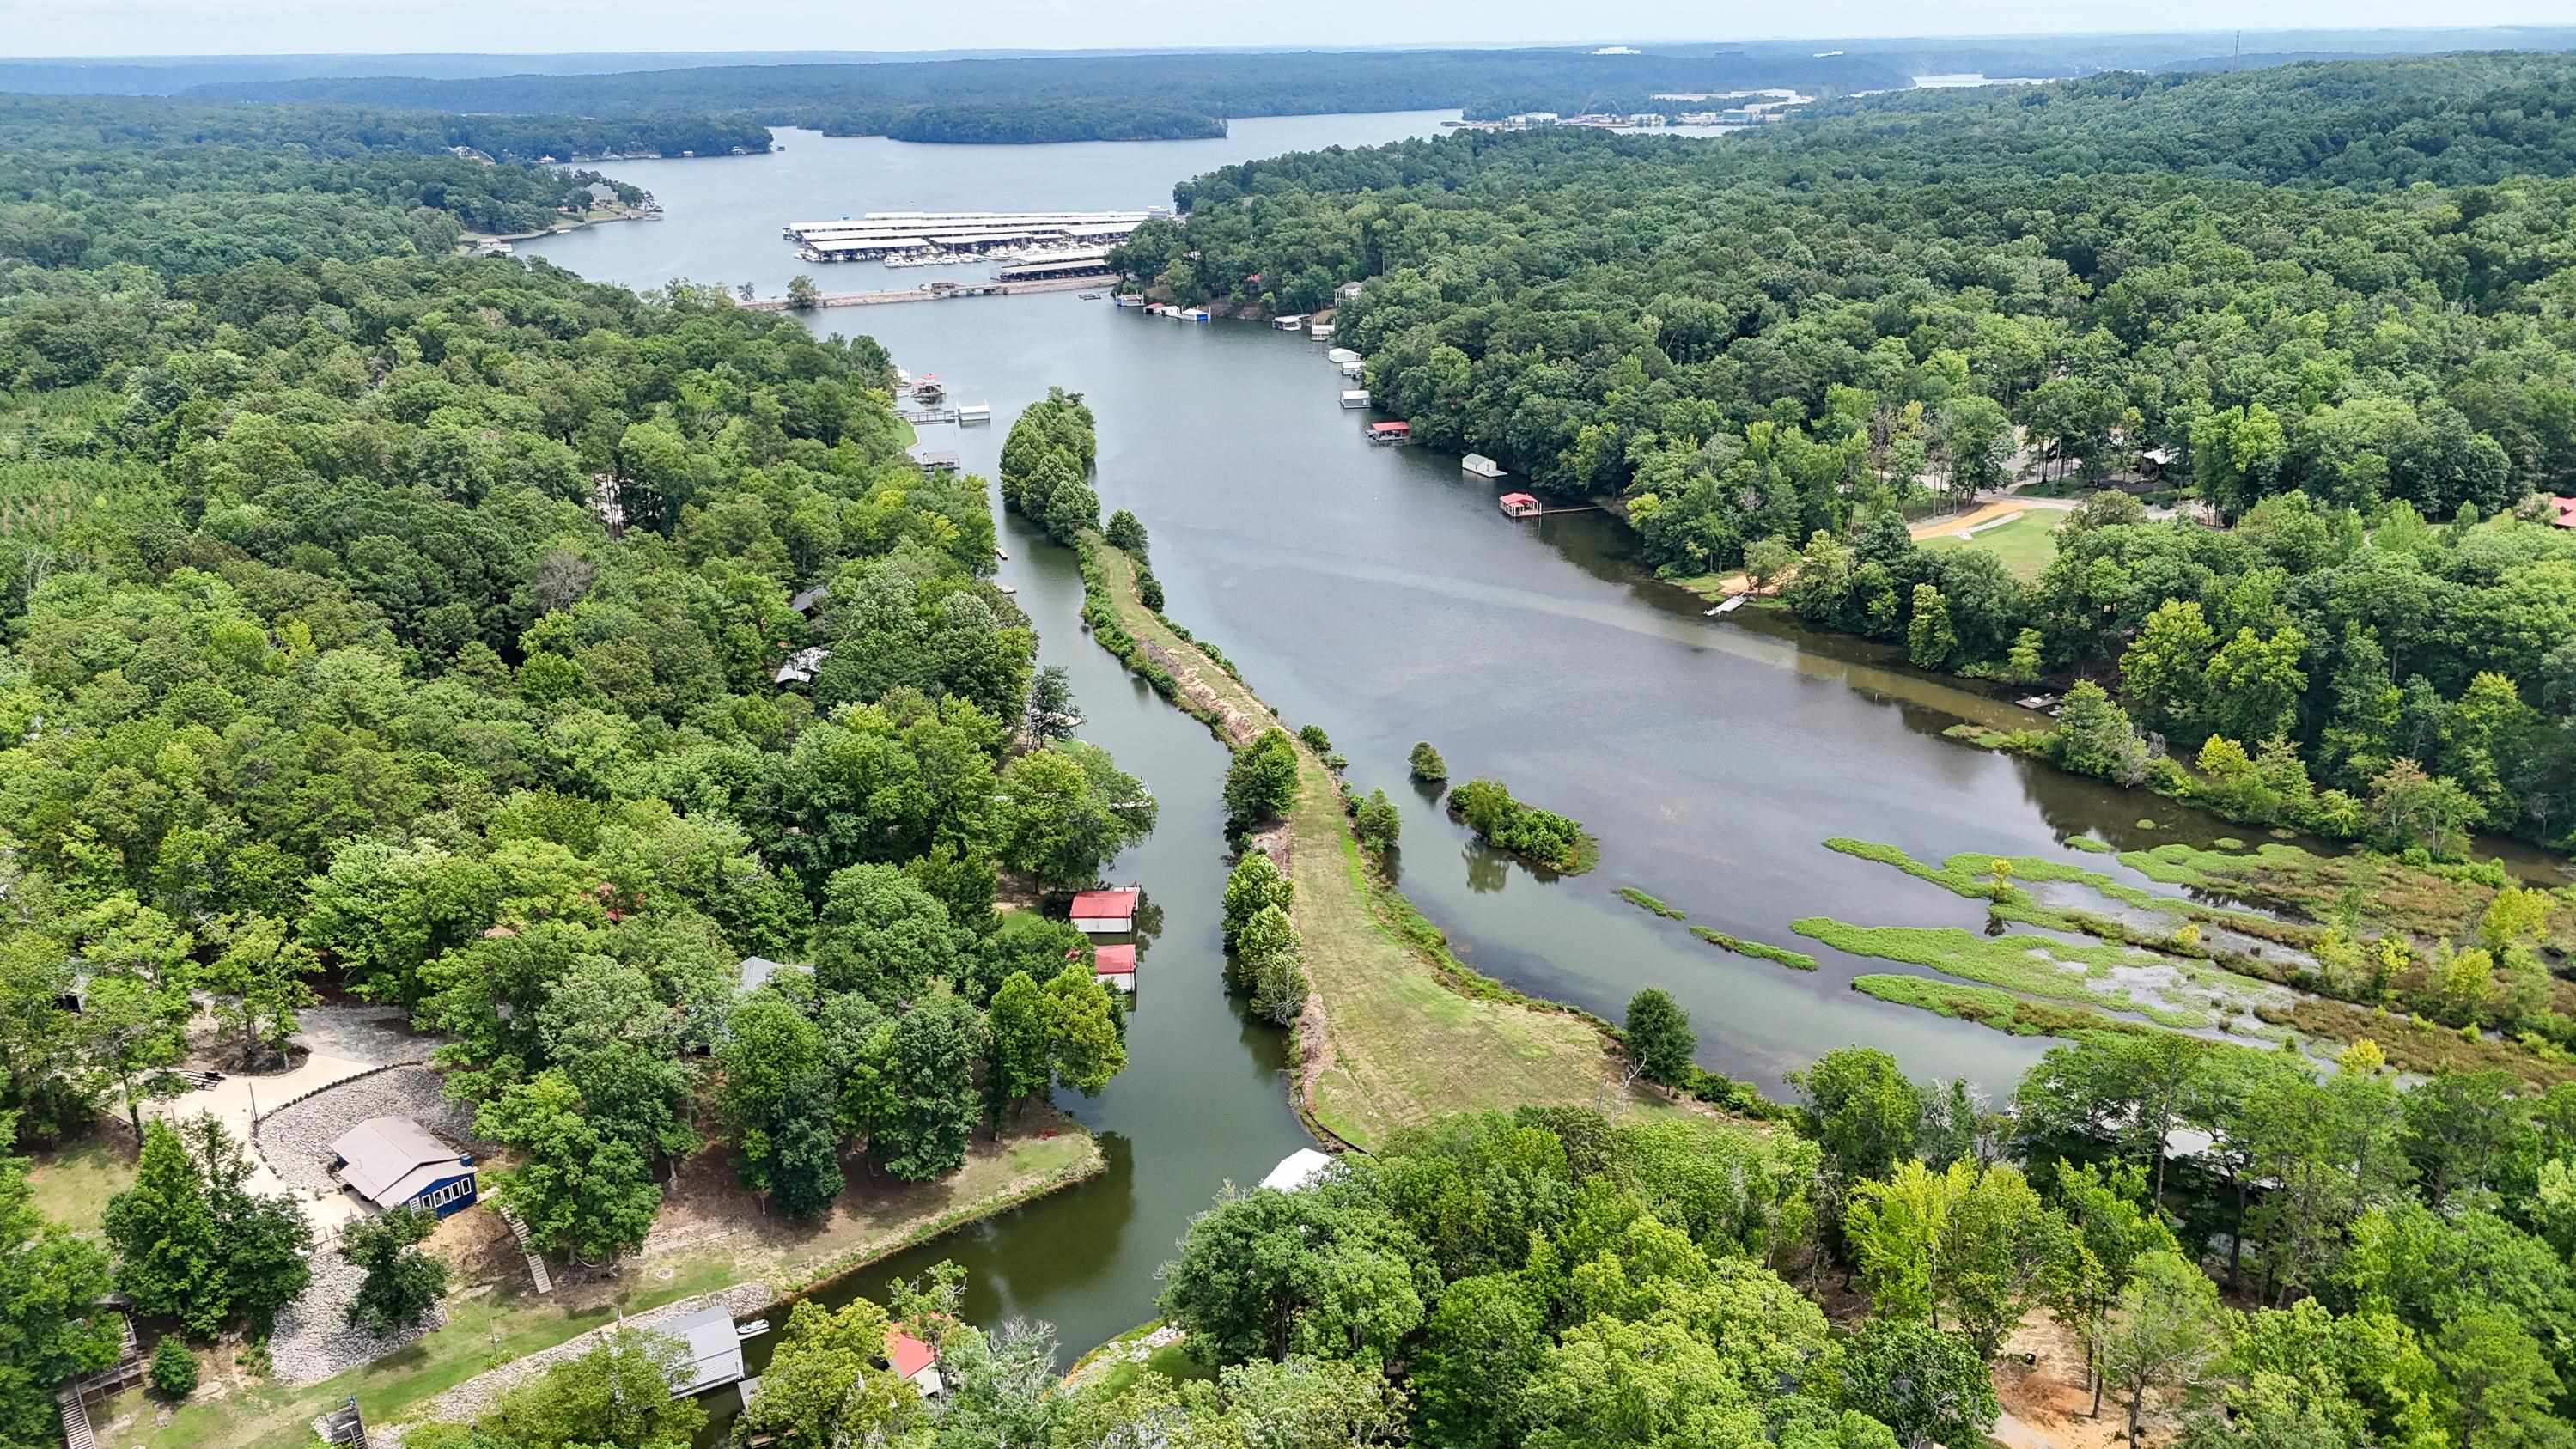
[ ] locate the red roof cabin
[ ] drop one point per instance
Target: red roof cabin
(1519, 505)
(2562, 512)
(1114, 966)
(1390, 432)
(914, 1362)
(1105, 913)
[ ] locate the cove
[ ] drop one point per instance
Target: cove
(1378, 592)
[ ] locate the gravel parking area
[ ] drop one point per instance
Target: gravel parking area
(313, 1338)
(372, 1034)
(297, 1139)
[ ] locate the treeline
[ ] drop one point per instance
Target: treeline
(1130, 97)
(1548, 1278)
(2400, 682)
(2347, 1263)
(2451, 120)
(360, 128)
(169, 192)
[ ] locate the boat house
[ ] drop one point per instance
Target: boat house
(1319, 330)
(1356, 397)
(394, 1162)
(1519, 505)
(1390, 432)
(1114, 967)
(714, 1357)
(1477, 465)
(1295, 323)
(1341, 356)
(937, 460)
(1105, 913)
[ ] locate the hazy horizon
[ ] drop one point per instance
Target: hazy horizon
(158, 30)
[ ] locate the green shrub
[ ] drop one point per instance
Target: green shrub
(1427, 764)
(173, 1369)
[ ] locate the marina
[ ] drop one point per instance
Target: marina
(922, 238)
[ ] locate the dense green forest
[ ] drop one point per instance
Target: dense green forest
(1767, 347)
(2348, 1263)
(417, 623)
(1068, 98)
(129, 194)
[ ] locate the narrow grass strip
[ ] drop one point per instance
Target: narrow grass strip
(1759, 950)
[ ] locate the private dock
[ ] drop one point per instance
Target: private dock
(928, 292)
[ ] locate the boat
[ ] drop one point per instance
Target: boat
(928, 389)
(1732, 603)
(1091, 296)
(753, 1329)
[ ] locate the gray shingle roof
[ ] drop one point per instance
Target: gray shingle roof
(390, 1159)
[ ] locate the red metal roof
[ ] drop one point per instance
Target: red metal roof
(1104, 905)
(1518, 500)
(908, 1354)
(1390, 427)
(1113, 961)
(2562, 512)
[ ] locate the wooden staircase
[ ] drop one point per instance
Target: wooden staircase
(76, 1429)
(536, 1260)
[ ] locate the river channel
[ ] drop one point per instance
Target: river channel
(1379, 593)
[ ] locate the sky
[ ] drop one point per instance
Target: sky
(245, 27)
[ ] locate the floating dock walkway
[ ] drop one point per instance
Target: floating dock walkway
(933, 292)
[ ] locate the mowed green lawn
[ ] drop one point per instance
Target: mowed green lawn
(2026, 545)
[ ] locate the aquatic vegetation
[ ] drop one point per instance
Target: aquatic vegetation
(1645, 902)
(1760, 950)
(2091, 846)
(2032, 965)
(1988, 1006)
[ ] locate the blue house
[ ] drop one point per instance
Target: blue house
(394, 1162)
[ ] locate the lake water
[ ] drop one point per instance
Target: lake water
(1379, 593)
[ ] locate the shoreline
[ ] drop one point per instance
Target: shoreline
(469, 239)
(500, 1317)
(1397, 1030)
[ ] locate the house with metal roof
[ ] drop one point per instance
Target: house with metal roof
(395, 1162)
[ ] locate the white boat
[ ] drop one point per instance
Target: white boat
(753, 1329)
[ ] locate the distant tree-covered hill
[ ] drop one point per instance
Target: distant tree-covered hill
(1104, 97)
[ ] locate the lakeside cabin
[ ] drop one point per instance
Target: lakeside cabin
(1519, 505)
(1114, 966)
(394, 1162)
(1105, 913)
(1390, 432)
(1355, 397)
(1477, 465)
(914, 1362)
